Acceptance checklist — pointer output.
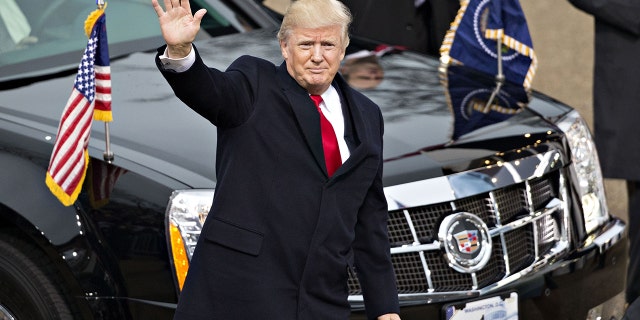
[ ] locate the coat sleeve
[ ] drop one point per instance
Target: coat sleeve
(371, 250)
(223, 98)
(623, 14)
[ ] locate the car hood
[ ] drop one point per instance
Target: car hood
(153, 129)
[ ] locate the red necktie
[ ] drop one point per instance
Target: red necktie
(332, 157)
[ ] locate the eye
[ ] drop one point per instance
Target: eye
(328, 45)
(305, 45)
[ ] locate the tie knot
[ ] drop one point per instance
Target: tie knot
(317, 99)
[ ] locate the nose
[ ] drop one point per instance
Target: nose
(317, 54)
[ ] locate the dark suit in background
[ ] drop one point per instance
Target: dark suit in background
(401, 22)
(281, 233)
(616, 107)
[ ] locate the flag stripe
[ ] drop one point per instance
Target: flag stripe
(71, 170)
(67, 125)
(71, 155)
(69, 141)
(92, 88)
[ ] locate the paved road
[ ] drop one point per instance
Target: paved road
(563, 40)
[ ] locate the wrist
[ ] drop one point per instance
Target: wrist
(178, 51)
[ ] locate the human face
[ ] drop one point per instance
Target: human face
(313, 56)
(364, 75)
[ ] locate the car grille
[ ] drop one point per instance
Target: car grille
(535, 235)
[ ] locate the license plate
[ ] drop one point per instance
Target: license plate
(495, 308)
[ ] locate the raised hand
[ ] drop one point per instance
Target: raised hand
(178, 25)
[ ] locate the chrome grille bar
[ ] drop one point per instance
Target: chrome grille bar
(527, 222)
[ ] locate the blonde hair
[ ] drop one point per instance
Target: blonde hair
(316, 14)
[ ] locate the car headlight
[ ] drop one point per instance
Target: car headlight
(185, 216)
(586, 167)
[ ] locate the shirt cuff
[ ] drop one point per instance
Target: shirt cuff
(180, 64)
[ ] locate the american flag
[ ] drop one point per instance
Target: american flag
(102, 178)
(90, 99)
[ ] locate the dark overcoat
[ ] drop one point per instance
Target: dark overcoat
(616, 85)
(401, 23)
(616, 104)
(281, 233)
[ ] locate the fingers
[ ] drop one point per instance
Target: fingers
(199, 14)
(170, 4)
(185, 4)
(157, 7)
(167, 5)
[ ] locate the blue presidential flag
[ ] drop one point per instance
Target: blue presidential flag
(472, 40)
(469, 96)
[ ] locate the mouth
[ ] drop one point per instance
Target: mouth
(316, 70)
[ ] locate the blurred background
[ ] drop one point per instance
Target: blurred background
(563, 41)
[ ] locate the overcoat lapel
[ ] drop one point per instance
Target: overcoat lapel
(358, 127)
(305, 112)
(308, 120)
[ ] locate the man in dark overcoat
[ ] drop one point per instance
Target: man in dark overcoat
(616, 109)
(299, 196)
(418, 25)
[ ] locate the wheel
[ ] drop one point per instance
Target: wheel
(28, 286)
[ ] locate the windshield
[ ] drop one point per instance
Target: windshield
(42, 37)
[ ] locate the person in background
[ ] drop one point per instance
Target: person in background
(362, 72)
(299, 196)
(418, 25)
(616, 100)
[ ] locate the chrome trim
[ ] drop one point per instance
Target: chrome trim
(503, 241)
(553, 206)
(436, 245)
(468, 183)
(455, 259)
(609, 237)
(5, 313)
(489, 181)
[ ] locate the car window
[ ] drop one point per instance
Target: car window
(38, 37)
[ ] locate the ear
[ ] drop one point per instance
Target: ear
(284, 49)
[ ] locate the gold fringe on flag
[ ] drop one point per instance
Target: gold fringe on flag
(100, 115)
(91, 20)
(56, 190)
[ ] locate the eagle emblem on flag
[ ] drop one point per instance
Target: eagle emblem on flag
(475, 32)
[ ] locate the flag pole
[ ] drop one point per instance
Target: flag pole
(107, 154)
(499, 77)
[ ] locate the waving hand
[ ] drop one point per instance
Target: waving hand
(179, 26)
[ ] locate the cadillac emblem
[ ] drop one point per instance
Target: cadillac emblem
(466, 241)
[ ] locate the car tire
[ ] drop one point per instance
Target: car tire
(28, 286)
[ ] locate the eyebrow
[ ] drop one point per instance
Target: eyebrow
(311, 41)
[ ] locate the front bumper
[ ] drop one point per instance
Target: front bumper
(565, 289)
